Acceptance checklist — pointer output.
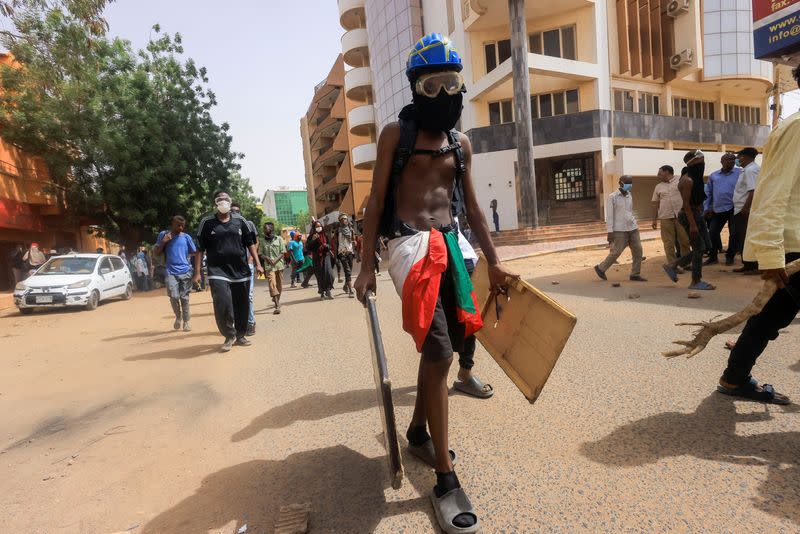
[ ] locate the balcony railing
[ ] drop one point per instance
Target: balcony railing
(618, 124)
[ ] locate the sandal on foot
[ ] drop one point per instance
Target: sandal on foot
(702, 286)
(474, 387)
(671, 272)
(449, 506)
(751, 391)
(426, 453)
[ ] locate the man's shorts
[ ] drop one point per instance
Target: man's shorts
(446, 335)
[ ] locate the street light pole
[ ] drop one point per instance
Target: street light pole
(529, 216)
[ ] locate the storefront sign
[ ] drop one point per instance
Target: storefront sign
(19, 216)
(765, 8)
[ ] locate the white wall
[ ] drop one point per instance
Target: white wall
(492, 173)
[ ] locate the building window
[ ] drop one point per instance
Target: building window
(742, 114)
(623, 100)
(559, 42)
(496, 52)
(649, 103)
(574, 179)
(551, 104)
(693, 109)
(501, 112)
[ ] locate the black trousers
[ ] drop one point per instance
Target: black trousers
(231, 306)
(323, 270)
(779, 313)
(715, 226)
(347, 266)
(466, 356)
(740, 221)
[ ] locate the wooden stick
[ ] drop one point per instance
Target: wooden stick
(709, 329)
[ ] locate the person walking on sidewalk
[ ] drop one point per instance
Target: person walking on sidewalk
(742, 200)
(225, 238)
(251, 263)
(319, 247)
(345, 250)
(692, 190)
(623, 231)
(719, 208)
(177, 247)
(271, 250)
(667, 204)
(773, 240)
(295, 248)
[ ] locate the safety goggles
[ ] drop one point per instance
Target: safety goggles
(431, 84)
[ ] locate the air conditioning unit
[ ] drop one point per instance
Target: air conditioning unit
(683, 59)
(677, 7)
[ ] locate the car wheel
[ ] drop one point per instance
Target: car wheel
(94, 300)
(128, 292)
(26, 311)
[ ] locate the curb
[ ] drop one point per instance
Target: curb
(576, 248)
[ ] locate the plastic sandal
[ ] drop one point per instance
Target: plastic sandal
(449, 506)
(426, 453)
(474, 387)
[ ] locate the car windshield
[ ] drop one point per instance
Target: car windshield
(68, 266)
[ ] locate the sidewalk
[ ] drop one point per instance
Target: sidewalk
(516, 252)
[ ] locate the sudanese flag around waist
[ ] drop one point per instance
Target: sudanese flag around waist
(417, 264)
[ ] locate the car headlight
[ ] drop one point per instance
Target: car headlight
(20, 287)
(78, 285)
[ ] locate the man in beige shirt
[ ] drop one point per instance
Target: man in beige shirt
(773, 240)
(667, 204)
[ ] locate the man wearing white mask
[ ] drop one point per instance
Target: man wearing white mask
(225, 238)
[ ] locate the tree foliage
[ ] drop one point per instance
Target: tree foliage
(128, 136)
(303, 220)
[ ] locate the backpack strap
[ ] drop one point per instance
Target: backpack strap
(458, 204)
(389, 224)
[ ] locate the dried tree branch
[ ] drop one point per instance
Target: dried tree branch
(709, 329)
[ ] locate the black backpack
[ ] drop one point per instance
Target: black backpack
(389, 223)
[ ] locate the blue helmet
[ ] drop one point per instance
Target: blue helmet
(433, 52)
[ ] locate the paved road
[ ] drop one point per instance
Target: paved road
(110, 421)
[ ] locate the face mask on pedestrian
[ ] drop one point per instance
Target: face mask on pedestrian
(738, 162)
(627, 187)
(223, 206)
(440, 113)
(318, 229)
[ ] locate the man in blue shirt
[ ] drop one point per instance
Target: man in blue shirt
(177, 246)
(719, 207)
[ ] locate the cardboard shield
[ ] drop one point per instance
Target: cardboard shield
(529, 335)
(383, 385)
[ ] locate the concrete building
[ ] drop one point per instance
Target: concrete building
(612, 87)
(285, 204)
(339, 143)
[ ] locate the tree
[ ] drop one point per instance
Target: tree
(128, 137)
(303, 220)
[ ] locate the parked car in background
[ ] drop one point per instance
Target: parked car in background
(82, 280)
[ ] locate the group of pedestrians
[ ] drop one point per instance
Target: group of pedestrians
(691, 213)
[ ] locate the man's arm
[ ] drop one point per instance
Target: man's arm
(610, 217)
(387, 143)
(161, 243)
(655, 214)
(708, 209)
(480, 228)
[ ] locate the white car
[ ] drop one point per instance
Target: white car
(74, 280)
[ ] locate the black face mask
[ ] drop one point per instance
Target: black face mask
(438, 114)
(696, 171)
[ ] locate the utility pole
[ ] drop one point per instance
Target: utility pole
(529, 216)
(776, 96)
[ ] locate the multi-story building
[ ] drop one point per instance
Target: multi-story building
(614, 87)
(339, 144)
(285, 204)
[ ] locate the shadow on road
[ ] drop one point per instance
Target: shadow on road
(710, 434)
(345, 489)
(182, 353)
(317, 406)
